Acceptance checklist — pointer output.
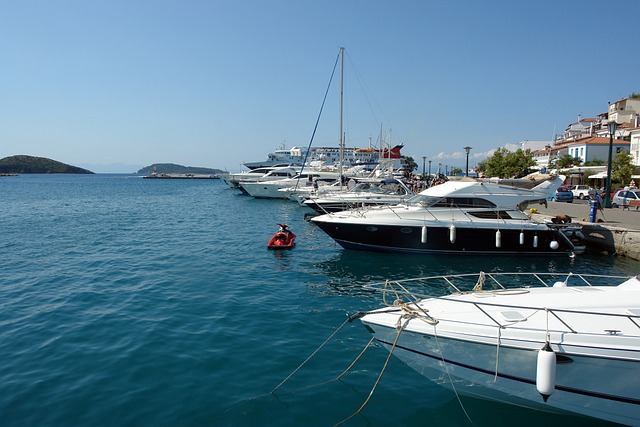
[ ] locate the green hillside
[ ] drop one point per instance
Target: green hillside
(29, 164)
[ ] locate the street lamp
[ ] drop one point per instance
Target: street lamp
(607, 197)
(466, 169)
(429, 169)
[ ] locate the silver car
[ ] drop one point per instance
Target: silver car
(625, 197)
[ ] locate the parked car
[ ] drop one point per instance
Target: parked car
(613, 192)
(564, 194)
(584, 191)
(625, 197)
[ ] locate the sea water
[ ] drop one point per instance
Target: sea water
(129, 301)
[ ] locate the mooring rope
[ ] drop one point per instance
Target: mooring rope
(384, 367)
(311, 355)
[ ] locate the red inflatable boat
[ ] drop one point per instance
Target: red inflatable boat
(283, 239)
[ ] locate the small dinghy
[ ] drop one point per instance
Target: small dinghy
(283, 239)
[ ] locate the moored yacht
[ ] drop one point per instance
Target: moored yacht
(550, 342)
(270, 189)
(465, 217)
(233, 180)
(366, 192)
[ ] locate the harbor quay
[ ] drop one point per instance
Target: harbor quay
(616, 230)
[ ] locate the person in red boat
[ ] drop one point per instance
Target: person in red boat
(283, 239)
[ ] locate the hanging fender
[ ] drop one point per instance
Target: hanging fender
(546, 371)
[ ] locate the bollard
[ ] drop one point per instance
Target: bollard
(593, 210)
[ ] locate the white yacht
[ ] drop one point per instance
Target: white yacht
(461, 217)
(552, 342)
(366, 192)
(264, 189)
(233, 180)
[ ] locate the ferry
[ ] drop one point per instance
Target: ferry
(331, 155)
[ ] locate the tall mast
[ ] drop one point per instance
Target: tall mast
(341, 94)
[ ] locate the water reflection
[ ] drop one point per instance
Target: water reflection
(348, 272)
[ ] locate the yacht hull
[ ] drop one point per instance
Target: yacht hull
(441, 240)
(585, 384)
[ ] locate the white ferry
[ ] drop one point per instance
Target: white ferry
(331, 155)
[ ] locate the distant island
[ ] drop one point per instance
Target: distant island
(171, 168)
(30, 164)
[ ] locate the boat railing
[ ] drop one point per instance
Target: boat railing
(416, 289)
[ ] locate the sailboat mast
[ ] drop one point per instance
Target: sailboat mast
(341, 95)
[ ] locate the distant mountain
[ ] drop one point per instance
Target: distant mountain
(177, 169)
(30, 164)
(111, 167)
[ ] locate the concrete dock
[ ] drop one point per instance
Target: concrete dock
(616, 230)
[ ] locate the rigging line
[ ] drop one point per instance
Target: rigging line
(446, 368)
(366, 91)
(356, 359)
(324, 100)
(339, 376)
(310, 356)
(384, 368)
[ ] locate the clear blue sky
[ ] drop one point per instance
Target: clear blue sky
(220, 82)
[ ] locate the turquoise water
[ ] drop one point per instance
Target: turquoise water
(130, 302)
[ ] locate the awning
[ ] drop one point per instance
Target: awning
(599, 175)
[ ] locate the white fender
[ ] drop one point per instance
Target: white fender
(423, 238)
(452, 233)
(546, 371)
(522, 237)
(554, 245)
(498, 239)
(535, 241)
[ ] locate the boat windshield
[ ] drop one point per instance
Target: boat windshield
(378, 188)
(449, 202)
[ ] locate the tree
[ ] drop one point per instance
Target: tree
(621, 168)
(568, 160)
(411, 164)
(507, 164)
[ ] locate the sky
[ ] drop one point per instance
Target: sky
(120, 84)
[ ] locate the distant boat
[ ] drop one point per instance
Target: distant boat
(366, 192)
(233, 180)
(323, 156)
(270, 189)
(180, 176)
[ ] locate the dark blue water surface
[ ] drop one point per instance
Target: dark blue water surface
(129, 301)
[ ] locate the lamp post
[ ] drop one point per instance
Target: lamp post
(466, 169)
(607, 197)
(424, 178)
(429, 170)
